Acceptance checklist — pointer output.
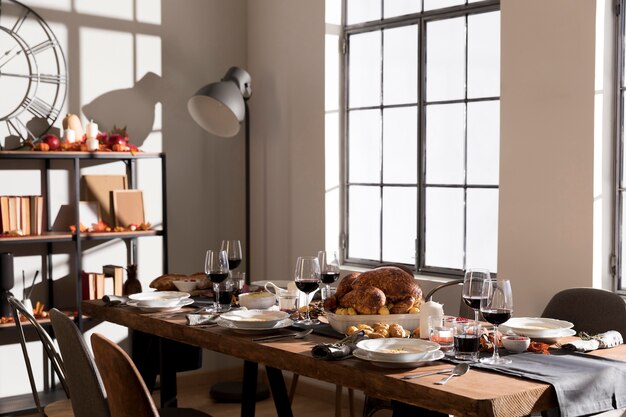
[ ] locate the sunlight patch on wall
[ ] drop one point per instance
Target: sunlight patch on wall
(118, 9)
(149, 11)
(148, 55)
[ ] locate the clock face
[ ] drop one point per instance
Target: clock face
(33, 75)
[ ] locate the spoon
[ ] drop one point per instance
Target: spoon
(460, 369)
(298, 335)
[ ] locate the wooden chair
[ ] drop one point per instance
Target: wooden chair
(127, 394)
(57, 408)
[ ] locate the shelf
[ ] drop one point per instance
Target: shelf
(52, 237)
(77, 155)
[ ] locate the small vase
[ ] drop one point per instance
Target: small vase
(132, 284)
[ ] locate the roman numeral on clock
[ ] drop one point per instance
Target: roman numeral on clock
(41, 47)
(40, 108)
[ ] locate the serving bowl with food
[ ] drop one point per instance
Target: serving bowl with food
(257, 300)
(387, 295)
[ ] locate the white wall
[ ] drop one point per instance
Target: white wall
(546, 148)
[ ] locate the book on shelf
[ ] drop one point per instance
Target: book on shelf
(25, 215)
(114, 279)
(22, 214)
(36, 214)
(4, 213)
(12, 213)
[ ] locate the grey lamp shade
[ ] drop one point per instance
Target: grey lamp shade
(219, 107)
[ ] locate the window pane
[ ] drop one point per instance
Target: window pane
(401, 7)
(445, 59)
(482, 229)
(332, 72)
(622, 233)
(363, 11)
(364, 222)
(621, 137)
(400, 145)
(399, 224)
(445, 138)
(483, 55)
(444, 227)
(364, 72)
(333, 12)
(364, 145)
(440, 4)
(400, 65)
(332, 151)
(483, 142)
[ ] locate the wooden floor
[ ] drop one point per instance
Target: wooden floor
(312, 398)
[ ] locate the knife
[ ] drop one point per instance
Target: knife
(441, 371)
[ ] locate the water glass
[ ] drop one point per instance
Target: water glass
(466, 340)
(288, 302)
(225, 295)
(441, 330)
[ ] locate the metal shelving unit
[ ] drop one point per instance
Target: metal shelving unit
(50, 238)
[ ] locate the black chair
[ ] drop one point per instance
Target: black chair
(50, 351)
(591, 310)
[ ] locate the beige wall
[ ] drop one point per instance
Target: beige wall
(546, 148)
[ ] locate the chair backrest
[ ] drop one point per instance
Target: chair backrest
(127, 394)
(86, 390)
(48, 346)
(590, 309)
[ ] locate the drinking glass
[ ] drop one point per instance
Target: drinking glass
(216, 268)
(466, 340)
(473, 288)
(233, 249)
(329, 271)
(307, 278)
(497, 306)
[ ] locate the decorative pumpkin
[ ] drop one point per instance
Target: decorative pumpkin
(42, 146)
(71, 121)
(84, 147)
(119, 147)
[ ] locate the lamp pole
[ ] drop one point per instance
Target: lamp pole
(247, 157)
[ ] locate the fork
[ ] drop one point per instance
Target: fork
(297, 335)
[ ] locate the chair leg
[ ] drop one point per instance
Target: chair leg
(338, 392)
(292, 387)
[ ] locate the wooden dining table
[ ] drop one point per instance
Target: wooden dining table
(478, 393)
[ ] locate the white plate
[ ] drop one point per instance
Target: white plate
(254, 319)
(536, 326)
(177, 306)
(397, 349)
(264, 329)
(159, 298)
(366, 356)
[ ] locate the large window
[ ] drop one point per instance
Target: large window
(422, 133)
(620, 178)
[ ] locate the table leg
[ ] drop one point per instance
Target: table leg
(279, 392)
(248, 389)
(168, 377)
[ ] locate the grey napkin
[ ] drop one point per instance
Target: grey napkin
(115, 300)
(584, 384)
(197, 319)
(338, 350)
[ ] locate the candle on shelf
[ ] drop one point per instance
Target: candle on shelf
(70, 136)
(92, 144)
(92, 129)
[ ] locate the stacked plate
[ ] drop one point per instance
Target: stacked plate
(538, 328)
(160, 300)
(254, 320)
(398, 353)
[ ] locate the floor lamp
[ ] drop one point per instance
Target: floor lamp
(220, 108)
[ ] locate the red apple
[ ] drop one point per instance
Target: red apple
(53, 142)
(115, 139)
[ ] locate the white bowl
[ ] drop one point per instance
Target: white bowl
(251, 319)
(159, 298)
(398, 350)
(257, 300)
(516, 344)
(186, 285)
(341, 322)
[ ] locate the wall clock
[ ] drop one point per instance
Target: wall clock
(33, 75)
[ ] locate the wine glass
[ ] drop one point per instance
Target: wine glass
(497, 307)
(233, 249)
(216, 268)
(329, 271)
(473, 288)
(307, 278)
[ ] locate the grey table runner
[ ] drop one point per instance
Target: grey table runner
(584, 384)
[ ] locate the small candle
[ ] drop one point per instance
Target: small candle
(70, 136)
(92, 129)
(92, 144)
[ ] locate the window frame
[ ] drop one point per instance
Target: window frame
(618, 169)
(421, 185)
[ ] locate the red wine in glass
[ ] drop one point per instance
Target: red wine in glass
(218, 277)
(233, 263)
(307, 286)
(497, 316)
(472, 302)
(331, 277)
(466, 342)
(216, 268)
(233, 250)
